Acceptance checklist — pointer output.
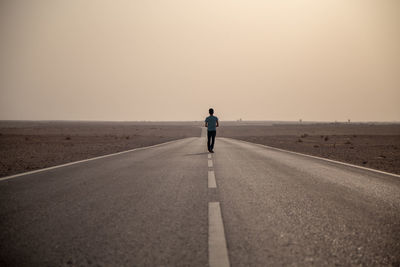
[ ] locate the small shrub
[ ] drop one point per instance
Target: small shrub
(316, 146)
(364, 162)
(304, 135)
(127, 137)
(300, 141)
(326, 138)
(68, 138)
(348, 143)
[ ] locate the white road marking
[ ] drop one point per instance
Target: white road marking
(85, 160)
(211, 180)
(209, 156)
(315, 157)
(210, 163)
(217, 250)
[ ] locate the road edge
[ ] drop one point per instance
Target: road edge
(316, 157)
(89, 159)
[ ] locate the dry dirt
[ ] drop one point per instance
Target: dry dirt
(26, 146)
(370, 145)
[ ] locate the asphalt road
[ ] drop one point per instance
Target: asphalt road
(172, 205)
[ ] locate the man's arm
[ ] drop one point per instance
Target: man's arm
(205, 124)
(217, 122)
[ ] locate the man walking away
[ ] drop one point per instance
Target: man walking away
(211, 123)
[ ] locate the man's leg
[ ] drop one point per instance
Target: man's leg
(209, 140)
(214, 133)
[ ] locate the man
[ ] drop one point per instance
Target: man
(211, 123)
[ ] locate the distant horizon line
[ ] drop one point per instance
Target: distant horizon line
(242, 120)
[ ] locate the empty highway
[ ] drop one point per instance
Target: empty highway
(177, 205)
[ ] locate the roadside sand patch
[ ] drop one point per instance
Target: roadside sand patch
(27, 146)
(374, 146)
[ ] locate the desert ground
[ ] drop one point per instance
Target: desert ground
(31, 145)
(372, 145)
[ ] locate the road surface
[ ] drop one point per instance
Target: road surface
(177, 205)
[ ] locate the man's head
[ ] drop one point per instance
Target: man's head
(211, 111)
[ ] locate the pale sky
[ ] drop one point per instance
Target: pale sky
(319, 60)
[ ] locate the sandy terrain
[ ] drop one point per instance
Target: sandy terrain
(374, 146)
(26, 146)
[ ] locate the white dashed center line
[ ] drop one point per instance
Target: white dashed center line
(211, 180)
(217, 250)
(210, 163)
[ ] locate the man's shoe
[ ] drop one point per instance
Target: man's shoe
(211, 151)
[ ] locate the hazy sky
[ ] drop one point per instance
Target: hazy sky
(319, 60)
